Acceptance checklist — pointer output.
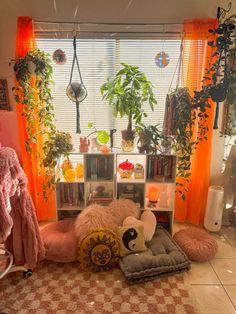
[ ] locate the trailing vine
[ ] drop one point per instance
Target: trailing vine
(189, 112)
(34, 77)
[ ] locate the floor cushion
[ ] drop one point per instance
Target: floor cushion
(60, 241)
(197, 244)
(163, 257)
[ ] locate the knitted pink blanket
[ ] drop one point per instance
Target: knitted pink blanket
(18, 224)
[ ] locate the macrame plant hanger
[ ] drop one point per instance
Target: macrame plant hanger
(171, 101)
(76, 91)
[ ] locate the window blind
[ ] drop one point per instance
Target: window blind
(99, 59)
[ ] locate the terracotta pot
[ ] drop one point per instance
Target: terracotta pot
(84, 145)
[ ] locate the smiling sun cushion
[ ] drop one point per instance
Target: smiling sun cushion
(131, 239)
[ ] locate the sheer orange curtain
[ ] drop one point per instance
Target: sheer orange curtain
(45, 210)
(199, 55)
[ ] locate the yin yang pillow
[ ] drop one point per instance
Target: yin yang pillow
(131, 239)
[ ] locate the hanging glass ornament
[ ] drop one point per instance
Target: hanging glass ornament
(162, 59)
(76, 91)
(59, 56)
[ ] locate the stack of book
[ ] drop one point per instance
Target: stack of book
(72, 194)
(100, 168)
(160, 167)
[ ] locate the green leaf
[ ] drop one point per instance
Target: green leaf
(90, 125)
(103, 137)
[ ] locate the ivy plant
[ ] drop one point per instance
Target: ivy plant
(32, 92)
(188, 110)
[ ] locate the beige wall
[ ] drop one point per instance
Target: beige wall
(126, 11)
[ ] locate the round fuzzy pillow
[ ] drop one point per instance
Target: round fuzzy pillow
(197, 244)
(110, 216)
(122, 208)
(91, 217)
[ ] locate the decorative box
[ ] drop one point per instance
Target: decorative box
(138, 171)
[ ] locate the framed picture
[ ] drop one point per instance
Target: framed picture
(4, 97)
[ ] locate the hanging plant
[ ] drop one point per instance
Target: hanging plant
(34, 77)
(220, 73)
(184, 112)
(34, 94)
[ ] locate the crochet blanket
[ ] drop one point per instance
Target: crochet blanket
(163, 257)
(18, 224)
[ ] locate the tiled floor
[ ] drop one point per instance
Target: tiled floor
(214, 283)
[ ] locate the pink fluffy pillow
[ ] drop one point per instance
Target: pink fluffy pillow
(197, 244)
(110, 216)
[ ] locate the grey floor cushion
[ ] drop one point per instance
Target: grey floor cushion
(163, 257)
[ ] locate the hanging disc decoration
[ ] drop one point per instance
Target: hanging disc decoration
(59, 56)
(76, 91)
(162, 59)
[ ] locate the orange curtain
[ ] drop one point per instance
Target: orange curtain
(45, 210)
(199, 55)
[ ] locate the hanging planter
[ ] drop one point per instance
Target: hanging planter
(34, 76)
(219, 73)
(76, 91)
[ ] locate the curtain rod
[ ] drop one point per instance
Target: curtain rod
(109, 23)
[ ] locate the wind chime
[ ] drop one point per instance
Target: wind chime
(76, 91)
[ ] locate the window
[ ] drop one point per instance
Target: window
(98, 59)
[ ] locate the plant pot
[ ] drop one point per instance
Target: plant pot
(31, 68)
(127, 143)
(218, 93)
(84, 145)
(145, 142)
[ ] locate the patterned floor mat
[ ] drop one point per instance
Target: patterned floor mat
(63, 288)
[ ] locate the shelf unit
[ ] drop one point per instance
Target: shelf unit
(151, 183)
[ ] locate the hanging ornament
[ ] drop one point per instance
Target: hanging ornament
(76, 91)
(59, 56)
(162, 59)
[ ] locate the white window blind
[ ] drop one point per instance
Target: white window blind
(99, 59)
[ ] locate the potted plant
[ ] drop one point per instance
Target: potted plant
(127, 93)
(151, 139)
(58, 144)
(102, 137)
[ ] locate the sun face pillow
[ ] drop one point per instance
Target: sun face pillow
(131, 239)
(99, 250)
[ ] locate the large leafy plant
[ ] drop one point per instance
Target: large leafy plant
(127, 93)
